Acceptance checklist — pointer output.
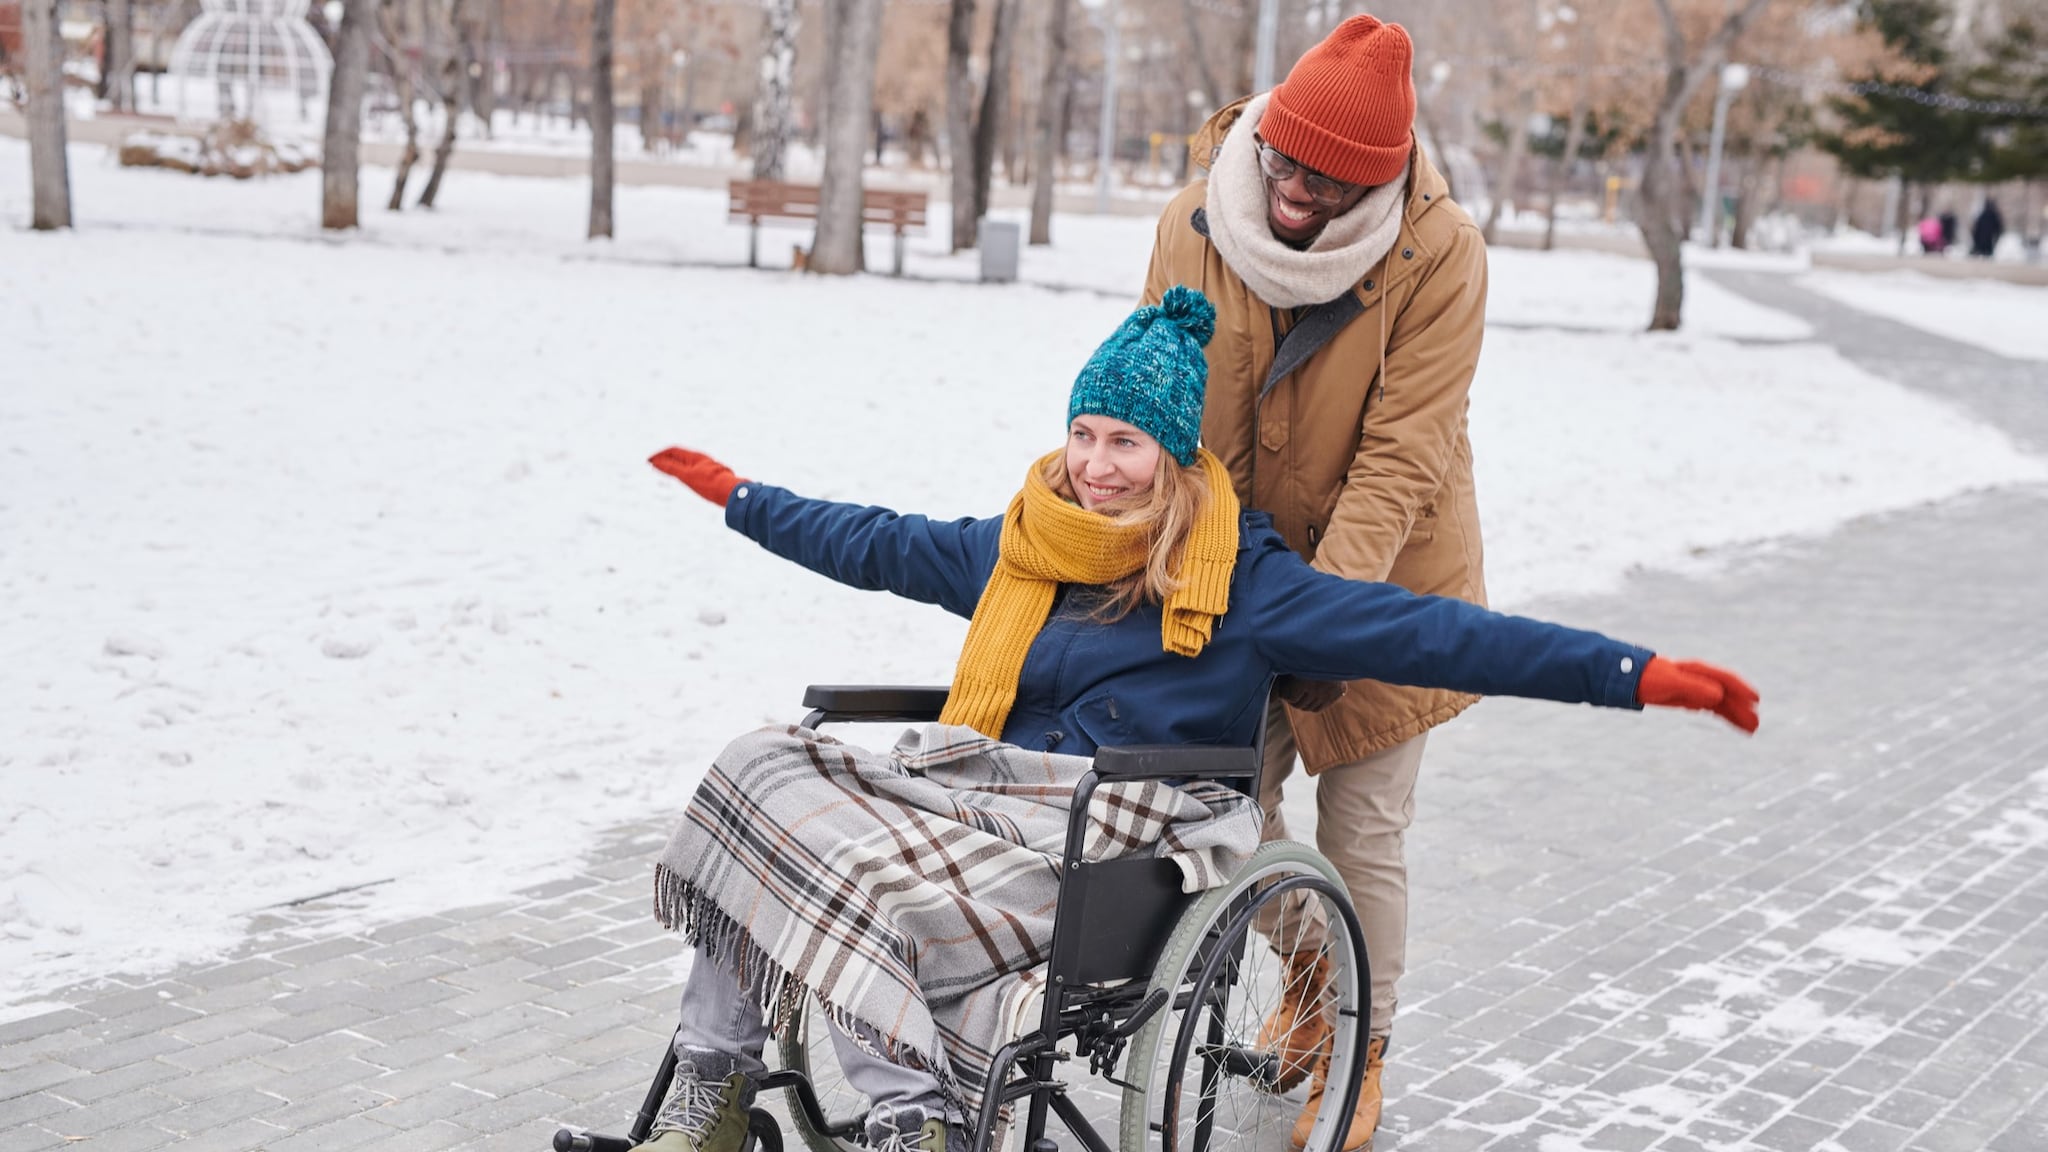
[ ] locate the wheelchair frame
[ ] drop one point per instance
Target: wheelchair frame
(1123, 909)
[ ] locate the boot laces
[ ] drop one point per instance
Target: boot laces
(693, 1105)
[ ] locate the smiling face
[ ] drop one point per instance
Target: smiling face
(1294, 213)
(1109, 460)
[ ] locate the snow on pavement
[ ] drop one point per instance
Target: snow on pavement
(2008, 319)
(336, 563)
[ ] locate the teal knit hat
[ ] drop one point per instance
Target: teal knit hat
(1151, 372)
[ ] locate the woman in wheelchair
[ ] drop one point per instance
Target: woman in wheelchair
(1123, 598)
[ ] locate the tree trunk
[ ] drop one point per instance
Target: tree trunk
(653, 84)
(960, 120)
(49, 168)
(1574, 134)
(772, 121)
(407, 98)
(836, 249)
(1657, 219)
(1212, 92)
(454, 81)
(1574, 139)
(601, 117)
(995, 103)
(1052, 99)
(120, 74)
(1511, 167)
(345, 116)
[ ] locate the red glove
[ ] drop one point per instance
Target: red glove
(705, 476)
(1692, 684)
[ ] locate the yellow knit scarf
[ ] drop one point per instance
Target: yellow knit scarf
(1048, 541)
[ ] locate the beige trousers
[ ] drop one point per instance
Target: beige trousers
(1363, 810)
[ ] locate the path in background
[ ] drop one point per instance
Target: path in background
(1630, 932)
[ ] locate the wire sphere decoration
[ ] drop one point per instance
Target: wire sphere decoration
(255, 60)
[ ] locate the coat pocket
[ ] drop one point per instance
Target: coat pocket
(1101, 718)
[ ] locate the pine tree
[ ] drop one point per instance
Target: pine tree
(1903, 129)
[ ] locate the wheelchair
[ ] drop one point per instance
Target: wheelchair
(1162, 993)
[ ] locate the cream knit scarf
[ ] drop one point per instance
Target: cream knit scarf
(1048, 541)
(1282, 276)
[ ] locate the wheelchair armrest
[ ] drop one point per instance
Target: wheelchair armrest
(1183, 761)
(856, 703)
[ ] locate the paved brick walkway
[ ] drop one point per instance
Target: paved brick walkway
(1629, 932)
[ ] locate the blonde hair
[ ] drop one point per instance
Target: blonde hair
(1167, 511)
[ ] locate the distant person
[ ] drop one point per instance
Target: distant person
(1986, 229)
(1949, 228)
(1930, 236)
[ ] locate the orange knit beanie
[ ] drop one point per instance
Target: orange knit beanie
(1347, 109)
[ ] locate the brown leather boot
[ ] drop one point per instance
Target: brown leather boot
(1364, 1118)
(1298, 1031)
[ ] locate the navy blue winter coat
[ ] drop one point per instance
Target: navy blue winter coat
(1086, 684)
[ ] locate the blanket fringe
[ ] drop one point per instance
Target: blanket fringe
(681, 906)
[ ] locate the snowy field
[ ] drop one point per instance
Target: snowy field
(335, 564)
(2009, 319)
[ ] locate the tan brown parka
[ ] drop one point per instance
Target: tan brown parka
(1360, 454)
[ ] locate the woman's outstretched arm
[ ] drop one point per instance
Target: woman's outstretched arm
(1325, 627)
(935, 562)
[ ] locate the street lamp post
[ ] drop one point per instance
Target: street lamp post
(1733, 78)
(1268, 33)
(1104, 13)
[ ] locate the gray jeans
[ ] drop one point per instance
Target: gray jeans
(720, 1016)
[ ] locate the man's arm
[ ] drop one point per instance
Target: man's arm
(1411, 424)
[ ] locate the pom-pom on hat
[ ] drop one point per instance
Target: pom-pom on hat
(1151, 372)
(1347, 109)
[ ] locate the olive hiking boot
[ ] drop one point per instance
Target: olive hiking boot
(706, 1111)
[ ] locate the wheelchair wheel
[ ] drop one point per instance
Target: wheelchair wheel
(806, 1047)
(1197, 1079)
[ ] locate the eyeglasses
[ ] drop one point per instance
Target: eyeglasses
(1277, 166)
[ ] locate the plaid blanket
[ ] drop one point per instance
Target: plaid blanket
(912, 891)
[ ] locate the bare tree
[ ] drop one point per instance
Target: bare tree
(1662, 198)
(404, 32)
(772, 121)
(1523, 107)
(49, 169)
(836, 250)
(119, 78)
(339, 153)
(601, 117)
(1212, 91)
(450, 90)
(995, 101)
(960, 119)
(1052, 116)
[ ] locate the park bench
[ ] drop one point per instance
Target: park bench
(758, 200)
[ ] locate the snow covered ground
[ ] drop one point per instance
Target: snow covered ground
(336, 563)
(2009, 319)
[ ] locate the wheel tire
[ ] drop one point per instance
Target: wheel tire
(1151, 1070)
(806, 1047)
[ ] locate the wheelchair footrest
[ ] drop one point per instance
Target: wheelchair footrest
(577, 1140)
